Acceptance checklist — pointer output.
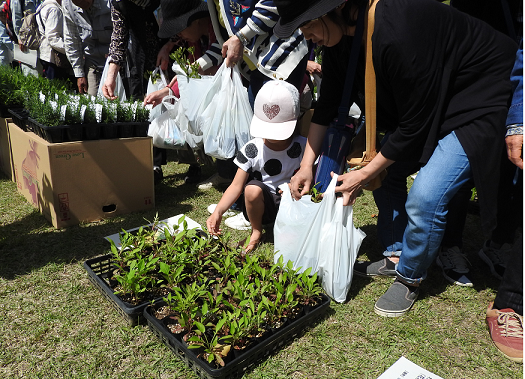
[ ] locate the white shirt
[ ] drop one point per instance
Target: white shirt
(50, 25)
(271, 167)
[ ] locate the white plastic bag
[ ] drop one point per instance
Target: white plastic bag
(216, 121)
(218, 112)
(321, 236)
(195, 95)
(164, 130)
(120, 92)
(153, 86)
(226, 120)
(242, 110)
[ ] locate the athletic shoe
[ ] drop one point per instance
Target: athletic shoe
(454, 265)
(397, 300)
(384, 267)
(158, 175)
(495, 257)
(506, 331)
(213, 181)
(193, 175)
(238, 222)
(228, 213)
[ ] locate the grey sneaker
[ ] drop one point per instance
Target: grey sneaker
(495, 258)
(454, 265)
(397, 301)
(384, 267)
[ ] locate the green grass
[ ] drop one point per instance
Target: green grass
(55, 324)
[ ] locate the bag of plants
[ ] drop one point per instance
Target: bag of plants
(319, 235)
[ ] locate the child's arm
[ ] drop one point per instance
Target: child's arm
(229, 197)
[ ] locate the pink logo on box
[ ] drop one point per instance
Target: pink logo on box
(29, 169)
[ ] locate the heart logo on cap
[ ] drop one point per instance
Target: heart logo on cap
(271, 111)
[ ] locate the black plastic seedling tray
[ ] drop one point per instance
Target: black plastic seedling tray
(99, 271)
(238, 366)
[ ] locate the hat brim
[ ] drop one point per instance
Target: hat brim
(285, 30)
(173, 26)
(271, 130)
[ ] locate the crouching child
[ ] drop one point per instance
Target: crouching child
(270, 159)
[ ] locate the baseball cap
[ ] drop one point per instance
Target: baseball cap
(275, 111)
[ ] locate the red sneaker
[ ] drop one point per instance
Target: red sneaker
(506, 331)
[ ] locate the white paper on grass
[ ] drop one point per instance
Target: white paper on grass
(170, 223)
(405, 369)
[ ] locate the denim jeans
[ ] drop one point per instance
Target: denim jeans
(427, 204)
(390, 199)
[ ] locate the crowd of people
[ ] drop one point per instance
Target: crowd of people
(449, 108)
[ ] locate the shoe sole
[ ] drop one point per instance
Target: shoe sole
(489, 263)
(364, 275)
(449, 279)
(384, 313)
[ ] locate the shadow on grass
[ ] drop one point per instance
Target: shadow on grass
(31, 242)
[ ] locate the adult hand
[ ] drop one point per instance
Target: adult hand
(155, 98)
(82, 85)
(163, 57)
(23, 49)
(108, 88)
(515, 149)
(232, 50)
(213, 222)
(314, 68)
(300, 183)
(350, 185)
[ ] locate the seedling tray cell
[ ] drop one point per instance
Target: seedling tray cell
(109, 131)
(141, 129)
(75, 132)
(126, 130)
(52, 134)
(19, 117)
(99, 271)
(238, 366)
(92, 131)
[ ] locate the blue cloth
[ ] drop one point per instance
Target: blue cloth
(515, 115)
(427, 206)
(6, 46)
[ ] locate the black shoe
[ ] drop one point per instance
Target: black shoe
(397, 301)
(384, 267)
(158, 175)
(193, 175)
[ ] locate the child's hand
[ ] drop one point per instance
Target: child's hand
(213, 223)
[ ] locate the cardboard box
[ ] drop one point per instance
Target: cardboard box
(88, 181)
(6, 159)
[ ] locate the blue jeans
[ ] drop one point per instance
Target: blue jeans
(427, 205)
(390, 199)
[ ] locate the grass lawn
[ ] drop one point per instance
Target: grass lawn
(57, 325)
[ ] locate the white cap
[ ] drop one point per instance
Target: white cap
(275, 111)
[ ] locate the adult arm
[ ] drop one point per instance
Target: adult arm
(117, 52)
(54, 28)
(263, 19)
(73, 44)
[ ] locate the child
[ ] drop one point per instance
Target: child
(265, 162)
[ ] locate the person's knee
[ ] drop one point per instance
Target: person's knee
(253, 193)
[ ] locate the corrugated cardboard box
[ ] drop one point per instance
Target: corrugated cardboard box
(6, 161)
(88, 181)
